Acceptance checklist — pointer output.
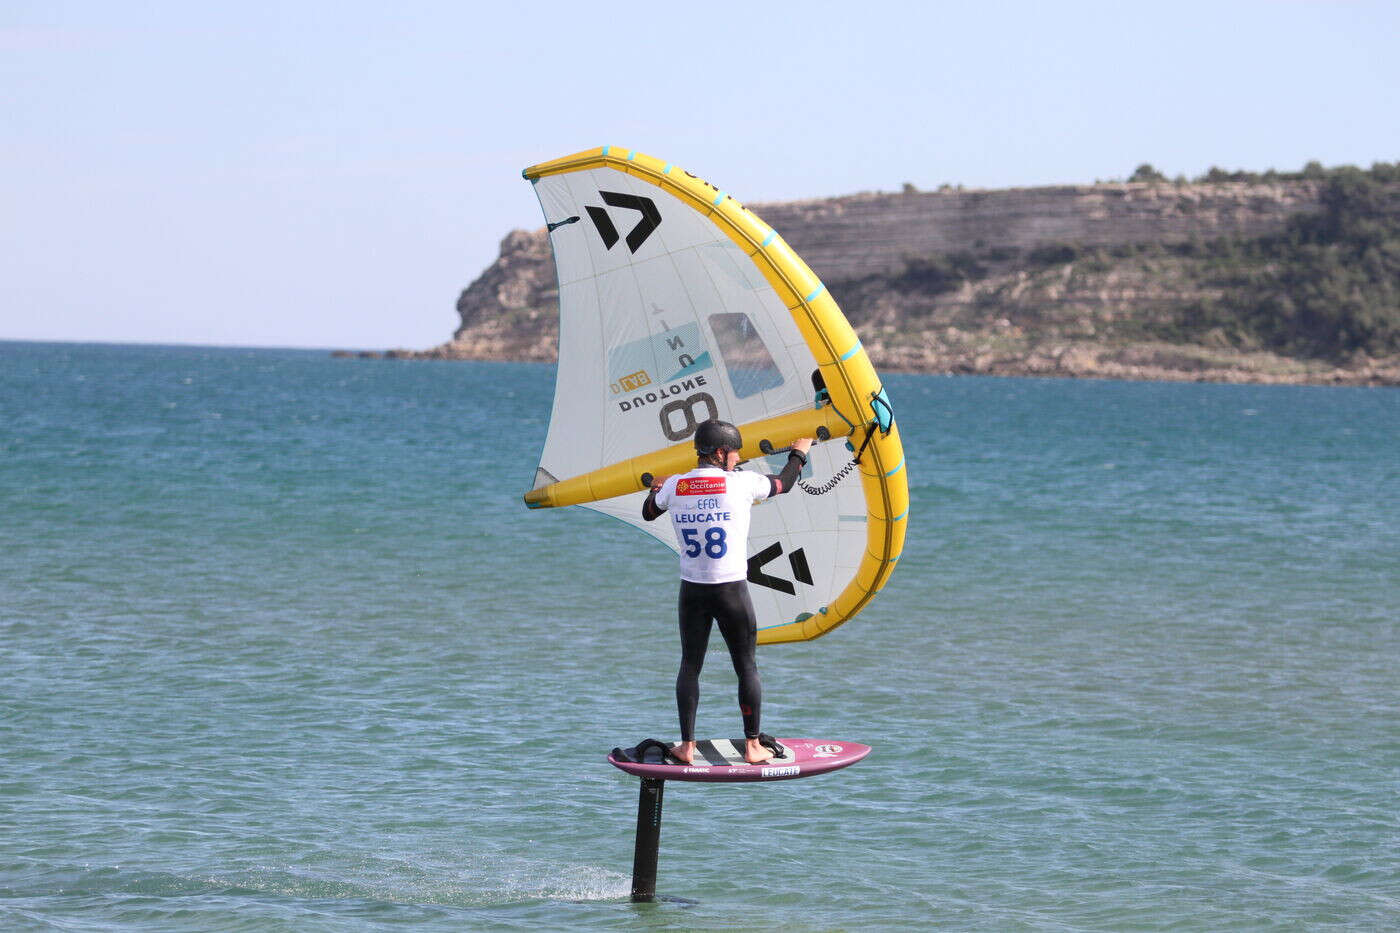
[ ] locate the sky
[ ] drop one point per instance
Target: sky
(333, 174)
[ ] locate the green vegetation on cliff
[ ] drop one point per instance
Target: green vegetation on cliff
(1327, 287)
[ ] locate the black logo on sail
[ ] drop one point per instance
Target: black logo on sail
(797, 560)
(650, 219)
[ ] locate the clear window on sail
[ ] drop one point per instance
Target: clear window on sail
(746, 360)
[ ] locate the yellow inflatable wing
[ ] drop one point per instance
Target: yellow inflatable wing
(678, 304)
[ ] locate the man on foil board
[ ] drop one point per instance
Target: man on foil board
(683, 317)
(710, 510)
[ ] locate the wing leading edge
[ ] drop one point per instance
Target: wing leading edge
(618, 240)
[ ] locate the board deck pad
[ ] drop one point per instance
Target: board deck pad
(722, 760)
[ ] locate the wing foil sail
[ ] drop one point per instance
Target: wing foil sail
(678, 304)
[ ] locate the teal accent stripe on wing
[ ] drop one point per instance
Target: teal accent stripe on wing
(667, 169)
(607, 149)
(851, 352)
(896, 469)
(631, 155)
(719, 197)
(772, 235)
(900, 516)
(821, 287)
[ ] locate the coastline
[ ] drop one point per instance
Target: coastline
(1147, 362)
(1138, 281)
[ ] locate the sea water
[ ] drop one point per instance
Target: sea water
(283, 650)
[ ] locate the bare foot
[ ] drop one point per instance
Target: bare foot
(684, 751)
(755, 753)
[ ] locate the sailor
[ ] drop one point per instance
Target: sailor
(709, 509)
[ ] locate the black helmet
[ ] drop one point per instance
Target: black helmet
(712, 435)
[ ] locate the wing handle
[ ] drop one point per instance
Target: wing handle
(766, 447)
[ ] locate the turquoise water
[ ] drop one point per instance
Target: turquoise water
(283, 651)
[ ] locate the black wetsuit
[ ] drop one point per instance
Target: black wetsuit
(730, 606)
(699, 605)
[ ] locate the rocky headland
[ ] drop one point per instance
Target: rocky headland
(1120, 280)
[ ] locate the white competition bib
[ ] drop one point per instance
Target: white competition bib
(709, 510)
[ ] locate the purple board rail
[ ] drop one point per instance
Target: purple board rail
(722, 760)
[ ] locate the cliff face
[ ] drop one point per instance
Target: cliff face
(852, 237)
(897, 263)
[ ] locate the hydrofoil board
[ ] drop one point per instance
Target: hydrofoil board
(722, 760)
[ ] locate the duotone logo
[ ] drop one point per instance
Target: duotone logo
(649, 221)
(797, 560)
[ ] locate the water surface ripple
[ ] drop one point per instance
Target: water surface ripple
(283, 650)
